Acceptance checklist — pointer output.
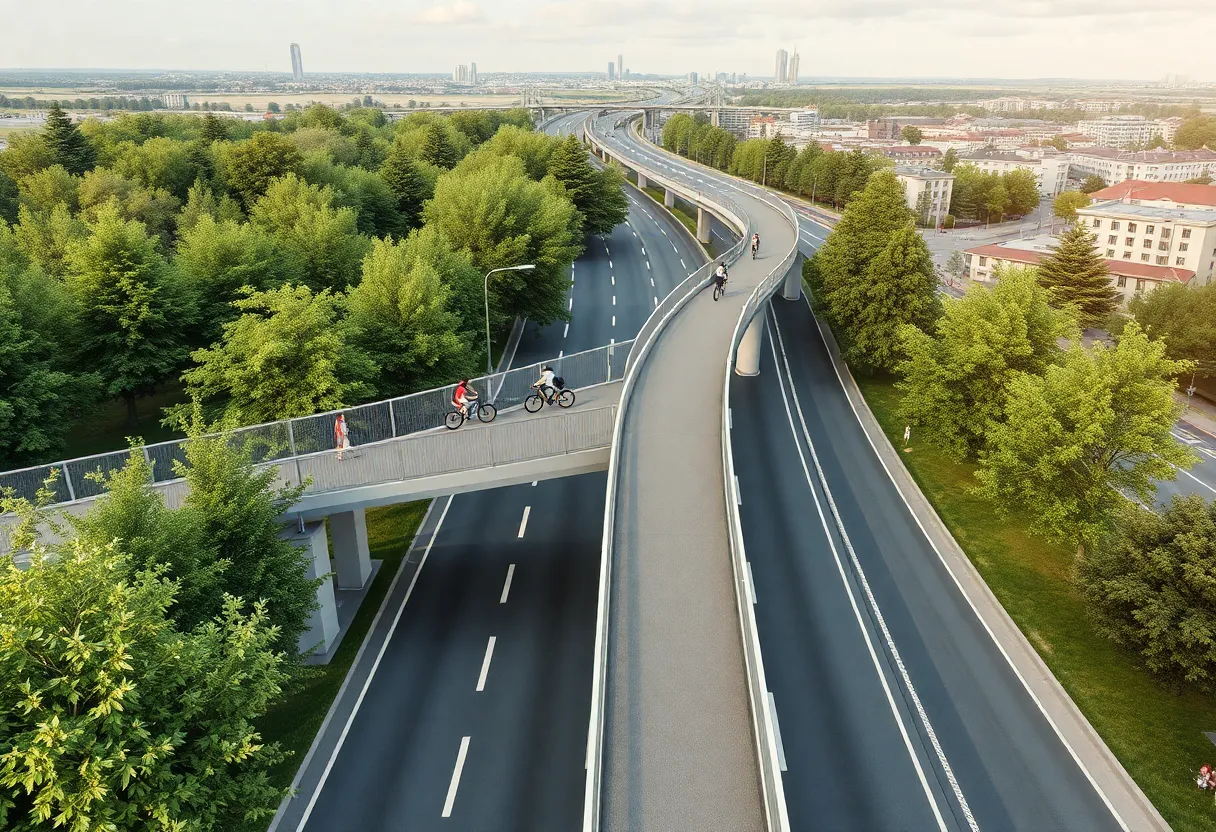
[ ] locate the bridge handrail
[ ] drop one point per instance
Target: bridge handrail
(286, 440)
(645, 340)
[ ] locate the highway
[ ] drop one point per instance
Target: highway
(896, 708)
(515, 568)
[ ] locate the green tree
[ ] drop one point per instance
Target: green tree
(42, 191)
(405, 179)
(956, 265)
(67, 146)
(1023, 190)
(213, 129)
(1148, 587)
(133, 309)
(219, 259)
(252, 165)
(597, 194)
(159, 163)
(322, 242)
(1066, 205)
(949, 159)
(403, 320)
(503, 218)
(1094, 427)
(1195, 133)
(912, 134)
(201, 202)
(897, 288)
(1078, 277)
(8, 198)
(1059, 143)
(27, 153)
(45, 238)
(1184, 317)
(437, 149)
(285, 356)
(955, 380)
(1092, 183)
(533, 148)
(114, 718)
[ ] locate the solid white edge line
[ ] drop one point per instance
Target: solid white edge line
(1196, 479)
(485, 664)
(958, 584)
(312, 802)
(865, 633)
(772, 709)
(455, 782)
(523, 524)
(506, 585)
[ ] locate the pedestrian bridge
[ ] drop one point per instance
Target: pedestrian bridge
(398, 449)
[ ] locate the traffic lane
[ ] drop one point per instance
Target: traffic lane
(847, 764)
(1011, 766)
(524, 769)
(397, 759)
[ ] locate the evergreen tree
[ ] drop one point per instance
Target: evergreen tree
(437, 150)
(597, 194)
(213, 129)
(949, 159)
(68, 146)
(1078, 277)
(406, 181)
(8, 198)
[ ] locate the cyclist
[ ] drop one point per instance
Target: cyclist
(720, 278)
(464, 397)
(544, 384)
(755, 245)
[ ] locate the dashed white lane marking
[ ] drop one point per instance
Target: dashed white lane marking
(456, 772)
(652, 281)
(643, 251)
(561, 353)
(683, 265)
(647, 265)
(613, 276)
(610, 264)
(656, 300)
(506, 586)
(523, 524)
(485, 664)
(571, 306)
(614, 300)
(614, 320)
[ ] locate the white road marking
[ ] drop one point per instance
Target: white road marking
(652, 281)
(485, 663)
(1196, 479)
(683, 265)
(329, 764)
(738, 492)
(534, 483)
(656, 300)
(647, 265)
(751, 583)
(523, 524)
(455, 784)
(614, 320)
(664, 230)
(561, 353)
(566, 331)
(506, 587)
(772, 709)
(570, 308)
(613, 276)
(614, 300)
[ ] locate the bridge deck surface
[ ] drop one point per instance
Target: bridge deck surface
(679, 750)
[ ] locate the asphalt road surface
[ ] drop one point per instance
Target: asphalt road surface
(454, 733)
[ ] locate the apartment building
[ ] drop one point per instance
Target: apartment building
(767, 127)
(1013, 104)
(1050, 171)
(928, 192)
(1121, 131)
(889, 127)
(1156, 235)
(1150, 165)
(1128, 277)
(1160, 194)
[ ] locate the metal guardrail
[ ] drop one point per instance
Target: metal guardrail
(292, 440)
(645, 340)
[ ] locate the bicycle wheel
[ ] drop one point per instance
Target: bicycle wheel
(453, 420)
(565, 398)
(487, 412)
(533, 403)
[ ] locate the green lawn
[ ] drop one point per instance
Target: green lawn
(689, 222)
(1155, 733)
(294, 721)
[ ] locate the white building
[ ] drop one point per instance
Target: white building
(928, 192)
(1050, 171)
(1153, 234)
(767, 127)
(1013, 104)
(1121, 131)
(1128, 277)
(805, 121)
(175, 101)
(1160, 195)
(1099, 105)
(1149, 165)
(781, 70)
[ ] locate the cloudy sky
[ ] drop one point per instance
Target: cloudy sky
(1130, 39)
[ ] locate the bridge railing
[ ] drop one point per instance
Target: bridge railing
(300, 437)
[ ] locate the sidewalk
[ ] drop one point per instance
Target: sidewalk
(1199, 413)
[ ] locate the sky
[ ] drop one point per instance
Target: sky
(1126, 39)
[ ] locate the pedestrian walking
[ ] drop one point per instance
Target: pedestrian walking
(341, 435)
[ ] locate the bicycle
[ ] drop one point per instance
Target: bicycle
(455, 418)
(562, 398)
(719, 289)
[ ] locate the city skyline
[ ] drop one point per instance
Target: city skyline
(868, 39)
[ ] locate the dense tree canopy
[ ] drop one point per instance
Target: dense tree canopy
(1184, 317)
(1078, 278)
(1195, 133)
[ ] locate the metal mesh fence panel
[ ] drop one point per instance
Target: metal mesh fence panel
(163, 456)
(26, 482)
(423, 411)
(263, 443)
(88, 474)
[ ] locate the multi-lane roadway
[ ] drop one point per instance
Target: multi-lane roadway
(476, 715)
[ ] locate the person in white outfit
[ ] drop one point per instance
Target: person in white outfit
(545, 383)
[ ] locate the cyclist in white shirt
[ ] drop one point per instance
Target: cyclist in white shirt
(545, 383)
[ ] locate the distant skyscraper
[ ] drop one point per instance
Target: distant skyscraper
(781, 74)
(297, 63)
(473, 74)
(620, 66)
(611, 70)
(793, 79)
(692, 78)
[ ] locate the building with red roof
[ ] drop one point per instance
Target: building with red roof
(1160, 194)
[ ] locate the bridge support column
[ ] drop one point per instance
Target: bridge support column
(747, 359)
(792, 290)
(643, 182)
(323, 621)
(704, 226)
(352, 558)
(669, 199)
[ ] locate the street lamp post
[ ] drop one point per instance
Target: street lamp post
(489, 352)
